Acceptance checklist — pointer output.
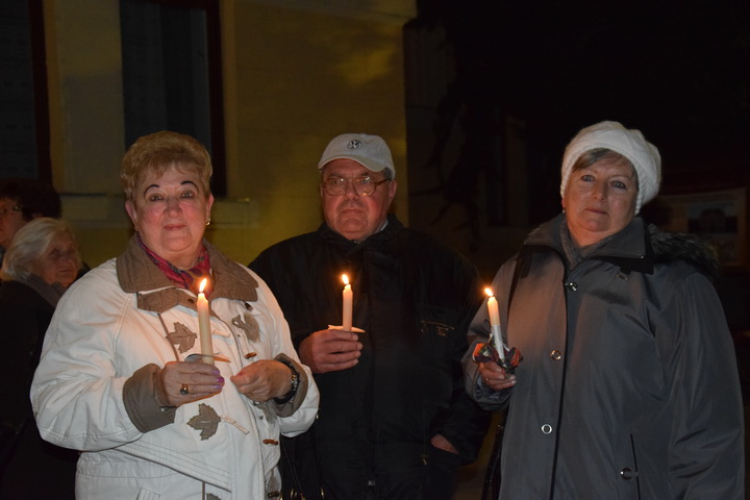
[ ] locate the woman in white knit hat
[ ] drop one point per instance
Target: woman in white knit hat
(628, 387)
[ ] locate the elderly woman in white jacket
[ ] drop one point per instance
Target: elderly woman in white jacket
(117, 379)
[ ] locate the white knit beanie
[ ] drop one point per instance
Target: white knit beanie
(629, 143)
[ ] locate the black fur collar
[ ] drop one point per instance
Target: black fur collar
(673, 247)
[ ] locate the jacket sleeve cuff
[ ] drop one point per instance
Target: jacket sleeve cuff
(286, 406)
(139, 397)
(490, 399)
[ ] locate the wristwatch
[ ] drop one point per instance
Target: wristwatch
(295, 383)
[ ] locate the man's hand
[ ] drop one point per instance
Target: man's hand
(495, 377)
(330, 350)
(439, 441)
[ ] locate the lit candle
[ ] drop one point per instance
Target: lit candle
(346, 323)
(495, 323)
(204, 325)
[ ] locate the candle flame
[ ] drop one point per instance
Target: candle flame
(488, 291)
(203, 285)
(345, 279)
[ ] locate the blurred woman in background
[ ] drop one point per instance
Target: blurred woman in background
(39, 265)
(21, 201)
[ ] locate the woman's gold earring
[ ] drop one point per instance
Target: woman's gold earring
(208, 222)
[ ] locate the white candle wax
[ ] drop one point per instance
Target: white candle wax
(494, 312)
(348, 296)
(204, 326)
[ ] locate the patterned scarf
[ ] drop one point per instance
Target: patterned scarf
(183, 278)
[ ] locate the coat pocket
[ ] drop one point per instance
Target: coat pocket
(147, 495)
(626, 465)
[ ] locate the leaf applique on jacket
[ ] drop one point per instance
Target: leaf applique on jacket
(248, 324)
(207, 421)
(183, 337)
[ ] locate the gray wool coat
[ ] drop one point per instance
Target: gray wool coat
(629, 386)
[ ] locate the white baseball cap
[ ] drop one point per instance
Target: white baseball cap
(370, 151)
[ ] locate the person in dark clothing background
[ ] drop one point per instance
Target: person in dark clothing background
(21, 201)
(394, 420)
(40, 265)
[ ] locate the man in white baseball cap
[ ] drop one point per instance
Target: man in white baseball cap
(353, 169)
(393, 422)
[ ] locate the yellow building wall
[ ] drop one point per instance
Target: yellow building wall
(294, 78)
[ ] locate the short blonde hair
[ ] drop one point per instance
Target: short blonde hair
(158, 152)
(30, 243)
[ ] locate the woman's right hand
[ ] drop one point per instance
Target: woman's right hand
(181, 382)
(495, 377)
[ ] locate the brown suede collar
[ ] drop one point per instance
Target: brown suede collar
(138, 274)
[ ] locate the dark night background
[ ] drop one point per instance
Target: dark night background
(678, 71)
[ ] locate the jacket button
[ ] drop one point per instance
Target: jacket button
(627, 474)
(547, 429)
(572, 286)
(556, 355)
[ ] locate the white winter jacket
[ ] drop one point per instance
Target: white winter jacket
(93, 390)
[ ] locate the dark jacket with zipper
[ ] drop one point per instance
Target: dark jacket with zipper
(413, 298)
(629, 386)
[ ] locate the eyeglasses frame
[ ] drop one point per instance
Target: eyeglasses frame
(350, 180)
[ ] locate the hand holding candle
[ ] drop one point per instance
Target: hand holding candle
(495, 323)
(204, 325)
(346, 322)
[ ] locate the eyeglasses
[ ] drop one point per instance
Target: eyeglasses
(6, 211)
(57, 254)
(364, 185)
